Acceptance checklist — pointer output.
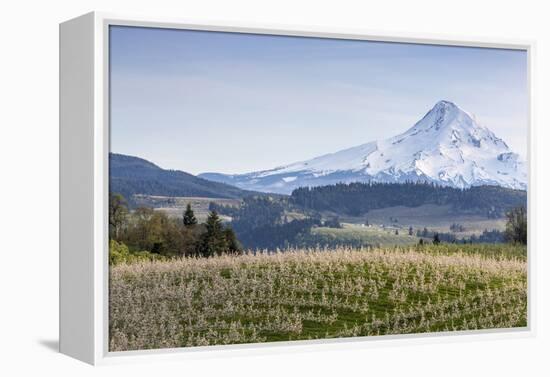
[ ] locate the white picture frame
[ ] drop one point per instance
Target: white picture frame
(84, 148)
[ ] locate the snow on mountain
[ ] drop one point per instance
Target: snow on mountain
(447, 146)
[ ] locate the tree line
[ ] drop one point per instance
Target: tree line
(150, 231)
(487, 236)
(261, 222)
(358, 198)
(515, 231)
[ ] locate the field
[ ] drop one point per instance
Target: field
(435, 217)
(175, 205)
(312, 294)
(363, 235)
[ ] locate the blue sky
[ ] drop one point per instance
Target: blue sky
(234, 103)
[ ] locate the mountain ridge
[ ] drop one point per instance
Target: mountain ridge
(129, 175)
(447, 146)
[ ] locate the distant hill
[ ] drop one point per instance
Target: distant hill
(356, 199)
(132, 175)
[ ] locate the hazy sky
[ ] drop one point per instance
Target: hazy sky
(234, 103)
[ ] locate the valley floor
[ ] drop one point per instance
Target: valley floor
(435, 217)
(305, 294)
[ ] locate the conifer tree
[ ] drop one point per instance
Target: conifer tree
(233, 244)
(189, 218)
(213, 240)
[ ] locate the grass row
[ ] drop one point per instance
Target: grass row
(313, 294)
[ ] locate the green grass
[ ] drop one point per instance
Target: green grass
(359, 235)
(435, 217)
(313, 295)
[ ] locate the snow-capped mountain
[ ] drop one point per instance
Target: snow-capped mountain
(447, 146)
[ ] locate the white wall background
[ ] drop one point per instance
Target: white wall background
(29, 184)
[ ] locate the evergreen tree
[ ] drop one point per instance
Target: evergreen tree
(233, 244)
(214, 240)
(333, 222)
(189, 218)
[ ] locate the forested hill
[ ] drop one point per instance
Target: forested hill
(130, 175)
(358, 198)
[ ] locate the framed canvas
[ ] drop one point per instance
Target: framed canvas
(240, 189)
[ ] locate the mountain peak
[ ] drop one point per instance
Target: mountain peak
(447, 109)
(445, 105)
(447, 146)
(445, 115)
